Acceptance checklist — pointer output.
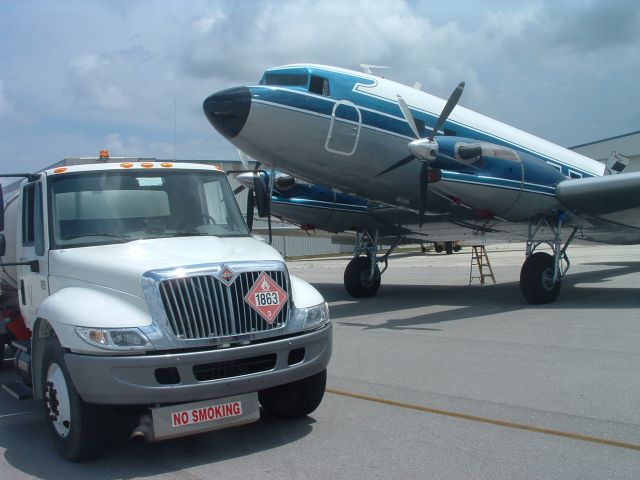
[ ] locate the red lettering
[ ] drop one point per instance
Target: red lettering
(228, 410)
(218, 411)
(177, 421)
(236, 408)
(211, 414)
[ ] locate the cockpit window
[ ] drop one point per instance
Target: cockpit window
(319, 85)
(285, 79)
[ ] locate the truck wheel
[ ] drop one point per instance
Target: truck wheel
(536, 279)
(356, 278)
(438, 247)
(296, 399)
(78, 428)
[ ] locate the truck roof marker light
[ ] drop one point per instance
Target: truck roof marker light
(166, 164)
(146, 164)
(104, 154)
(60, 170)
(126, 165)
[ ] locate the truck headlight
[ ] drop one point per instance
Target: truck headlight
(317, 316)
(115, 338)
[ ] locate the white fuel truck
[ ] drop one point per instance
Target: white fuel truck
(135, 285)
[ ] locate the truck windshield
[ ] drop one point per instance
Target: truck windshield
(96, 208)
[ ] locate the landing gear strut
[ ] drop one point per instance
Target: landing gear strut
(541, 274)
(362, 275)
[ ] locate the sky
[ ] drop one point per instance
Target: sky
(130, 76)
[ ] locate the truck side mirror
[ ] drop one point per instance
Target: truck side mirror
(261, 192)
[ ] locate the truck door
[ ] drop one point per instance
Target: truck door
(33, 285)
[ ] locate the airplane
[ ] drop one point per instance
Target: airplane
(457, 169)
(315, 210)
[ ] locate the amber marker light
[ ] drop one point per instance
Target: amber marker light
(166, 164)
(146, 164)
(60, 170)
(126, 165)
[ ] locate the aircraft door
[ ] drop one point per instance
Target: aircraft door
(344, 131)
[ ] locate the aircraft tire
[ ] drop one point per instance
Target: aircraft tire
(448, 248)
(295, 399)
(536, 279)
(356, 278)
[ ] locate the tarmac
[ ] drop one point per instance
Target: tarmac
(432, 378)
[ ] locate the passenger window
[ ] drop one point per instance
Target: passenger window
(319, 85)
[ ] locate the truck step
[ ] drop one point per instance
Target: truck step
(18, 390)
(24, 345)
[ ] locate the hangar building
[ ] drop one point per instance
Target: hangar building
(627, 145)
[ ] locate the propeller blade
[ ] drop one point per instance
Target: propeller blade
(400, 163)
(251, 202)
(424, 184)
(406, 113)
(448, 108)
(244, 159)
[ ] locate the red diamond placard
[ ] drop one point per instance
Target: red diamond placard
(266, 297)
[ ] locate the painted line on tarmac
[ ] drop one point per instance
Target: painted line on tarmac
(490, 421)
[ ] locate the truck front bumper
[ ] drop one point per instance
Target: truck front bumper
(201, 375)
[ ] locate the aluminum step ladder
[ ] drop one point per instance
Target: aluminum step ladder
(480, 260)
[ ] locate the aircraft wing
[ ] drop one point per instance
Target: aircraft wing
(613, 197)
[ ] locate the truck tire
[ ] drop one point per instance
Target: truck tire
(296, 399)
(356, 278)
(78, 429)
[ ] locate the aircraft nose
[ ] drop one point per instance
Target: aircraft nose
(228, 110)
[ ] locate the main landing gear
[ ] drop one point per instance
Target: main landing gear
(541, 274)
(362, 275)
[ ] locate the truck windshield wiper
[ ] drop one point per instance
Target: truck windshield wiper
(111, 235)
(189, 234)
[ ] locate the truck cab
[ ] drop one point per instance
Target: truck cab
(142, 287)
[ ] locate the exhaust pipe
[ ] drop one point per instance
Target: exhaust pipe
(144, 430)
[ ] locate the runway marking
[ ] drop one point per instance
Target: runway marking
(490, 421)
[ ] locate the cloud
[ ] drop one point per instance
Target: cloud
(5, 106)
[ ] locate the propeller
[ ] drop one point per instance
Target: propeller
(424, 149)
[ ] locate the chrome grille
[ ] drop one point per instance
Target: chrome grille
(202, 306)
